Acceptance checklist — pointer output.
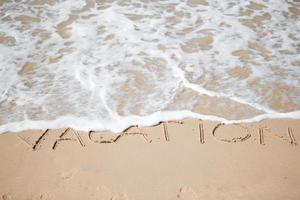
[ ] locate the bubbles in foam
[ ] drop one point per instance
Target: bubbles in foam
(107, 64)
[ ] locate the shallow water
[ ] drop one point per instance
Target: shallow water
(111, 63)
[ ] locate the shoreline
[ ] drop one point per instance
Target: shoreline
(187, 159)
(122, 123)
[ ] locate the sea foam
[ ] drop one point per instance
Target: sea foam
(109, 64)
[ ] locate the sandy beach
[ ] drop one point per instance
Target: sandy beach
(74, 75)
(189, 159)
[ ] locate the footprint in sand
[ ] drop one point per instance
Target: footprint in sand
(5, 197)
(187, 193)
(44, 197)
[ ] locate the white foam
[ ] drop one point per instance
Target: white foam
(121, 123)
(129, 62)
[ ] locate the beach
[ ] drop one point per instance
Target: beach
(149, 99)
(189, 159)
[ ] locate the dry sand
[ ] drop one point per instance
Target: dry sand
(188, 160)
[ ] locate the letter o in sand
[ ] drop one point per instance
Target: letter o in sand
(231, 133)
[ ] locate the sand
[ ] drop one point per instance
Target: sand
(188, 160)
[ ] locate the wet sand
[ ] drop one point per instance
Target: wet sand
(188, 160)
(233, 59)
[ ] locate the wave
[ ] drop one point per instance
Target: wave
(109, 64)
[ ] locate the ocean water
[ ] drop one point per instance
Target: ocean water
(108, 64)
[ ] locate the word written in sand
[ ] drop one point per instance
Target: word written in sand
(236, 134)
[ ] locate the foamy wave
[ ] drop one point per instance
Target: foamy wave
(121, 123)
(112, 63)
